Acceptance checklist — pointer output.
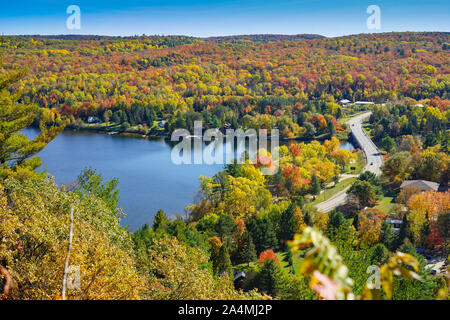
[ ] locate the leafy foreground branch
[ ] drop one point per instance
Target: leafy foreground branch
(329, 276)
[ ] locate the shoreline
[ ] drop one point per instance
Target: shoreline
(137, 135)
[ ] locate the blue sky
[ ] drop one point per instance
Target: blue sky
(222, 17)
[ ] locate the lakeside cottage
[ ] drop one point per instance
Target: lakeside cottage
(344, 102)
(364, 103)
(93, 120)
(396, 224)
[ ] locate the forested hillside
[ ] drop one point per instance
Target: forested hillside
(248, 236)
(226, 81)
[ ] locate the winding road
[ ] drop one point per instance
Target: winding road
(374, 160)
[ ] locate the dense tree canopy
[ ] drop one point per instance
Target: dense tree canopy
(291, 82)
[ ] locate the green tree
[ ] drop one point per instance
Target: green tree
(107, 115)
(369, 177)
(388, 235)
(270, 278)
(225, 226)
(380, 254)
(408, 247)
(388, 144)
(250, 251)
(160, 221)
(125, 126)
(444, 226)
(263, 234)
(430, 140)
(337, 219)
(444, 141)
(315, 184)
(289, 223)
(16, 149)
(365, 192)
(405, 232)
(223, 262)
(295, 287)
(425, 231)
(90, 182)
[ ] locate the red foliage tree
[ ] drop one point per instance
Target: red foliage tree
(268, 255)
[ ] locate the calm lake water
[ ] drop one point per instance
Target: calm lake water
(148, 179)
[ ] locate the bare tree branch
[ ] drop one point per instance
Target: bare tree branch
(66, 264)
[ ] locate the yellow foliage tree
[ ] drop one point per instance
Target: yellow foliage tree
(321, 221)
(34, 228)
(181, 273)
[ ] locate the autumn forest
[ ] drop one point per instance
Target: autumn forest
(311, 230)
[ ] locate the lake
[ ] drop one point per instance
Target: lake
(148, 179)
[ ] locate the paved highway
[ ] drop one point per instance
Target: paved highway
(374, 160)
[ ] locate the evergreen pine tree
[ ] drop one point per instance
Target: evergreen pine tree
(388, 235)
(270, 279)
(16, 149)
(263, 234)
(225, 226)
(250, 251)
(380, 254)
(315, 185)
(289, 257)
(290, 222)
(444, 141)
(223, 262)
(336, 219)
(404, 233)
(308, 219)
(160, 221)
(425, 230)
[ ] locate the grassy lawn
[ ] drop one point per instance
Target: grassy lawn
(283, 262)
(327, 194)
(385, 204)
(297, 259)
(358, 165)
(360, 162)
(368, 129)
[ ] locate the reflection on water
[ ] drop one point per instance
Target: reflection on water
(148, 179)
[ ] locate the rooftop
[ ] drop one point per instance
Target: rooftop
(424, 185)
(364, 102)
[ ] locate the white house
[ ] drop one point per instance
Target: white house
(93, 120)
(364, 103)
(396, 224)
(344, 102)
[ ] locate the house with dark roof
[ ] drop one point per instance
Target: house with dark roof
(423, 185)
(395, 223)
